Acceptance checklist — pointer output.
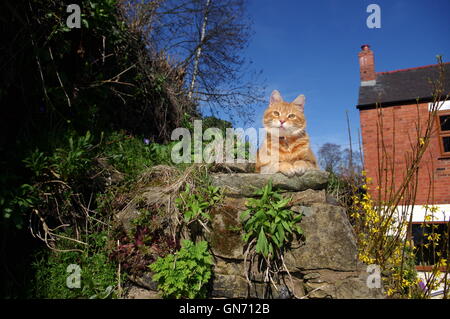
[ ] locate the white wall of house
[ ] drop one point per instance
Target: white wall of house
(445, 105)
(419, 212)
(442, 215)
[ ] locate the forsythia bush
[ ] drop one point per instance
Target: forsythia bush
(381, 240)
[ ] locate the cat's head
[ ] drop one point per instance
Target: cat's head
(289, 118)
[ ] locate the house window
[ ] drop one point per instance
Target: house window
(426, 253)
(444, 132)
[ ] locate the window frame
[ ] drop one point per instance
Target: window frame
(410, 237)
(442, 134)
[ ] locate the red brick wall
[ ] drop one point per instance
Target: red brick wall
(433, 165)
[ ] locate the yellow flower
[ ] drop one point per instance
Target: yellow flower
(434, 237)
(442, 262)
(421, 141)
(434, 209)
(390, 292)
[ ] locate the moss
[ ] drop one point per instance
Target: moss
(227, 229)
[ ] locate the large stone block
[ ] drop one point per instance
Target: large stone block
(226, 235)
(329, 242)
(244, 185)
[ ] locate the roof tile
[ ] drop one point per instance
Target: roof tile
(403, 85)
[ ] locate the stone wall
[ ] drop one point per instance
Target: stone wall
(323, 265)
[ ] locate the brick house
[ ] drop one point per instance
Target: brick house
(397, 94)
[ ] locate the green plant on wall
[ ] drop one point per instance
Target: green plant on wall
(185, 273)
(269, 222)
(269, 228)
(195, 204)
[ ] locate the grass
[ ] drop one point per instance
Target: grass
(98, 272)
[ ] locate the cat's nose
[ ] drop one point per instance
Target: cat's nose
(281, 122)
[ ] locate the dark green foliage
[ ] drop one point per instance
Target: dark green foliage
(59, 83)
(68, 163)
(185, 273)
(98, 273)
(195, 205)
(70, 97)
(62, 183)
(130, 155)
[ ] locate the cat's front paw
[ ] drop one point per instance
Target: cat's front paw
(301, 167)
(300, 170)
(287, 169)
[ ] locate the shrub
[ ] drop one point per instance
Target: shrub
(132, 155)
(98, 273)
(185, 273)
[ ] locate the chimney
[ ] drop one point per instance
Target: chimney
(366, 65)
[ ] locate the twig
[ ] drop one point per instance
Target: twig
(245, 258)
(119, 284)
(59, 78)
(305, 296)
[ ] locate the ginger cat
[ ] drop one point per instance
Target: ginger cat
(287, 122)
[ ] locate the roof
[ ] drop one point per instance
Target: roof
(402, 86)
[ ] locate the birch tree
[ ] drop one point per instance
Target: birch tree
(206, 39)
(199, 48)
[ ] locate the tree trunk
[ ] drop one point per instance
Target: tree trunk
(199, 49)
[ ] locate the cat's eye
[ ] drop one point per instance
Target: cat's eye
(276, 113)
(291, 116)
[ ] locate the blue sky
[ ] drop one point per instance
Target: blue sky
(311, 47)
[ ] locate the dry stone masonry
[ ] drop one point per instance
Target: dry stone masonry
(323, 265)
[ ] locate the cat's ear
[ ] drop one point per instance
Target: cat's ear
(300, 102)
(275, 97)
